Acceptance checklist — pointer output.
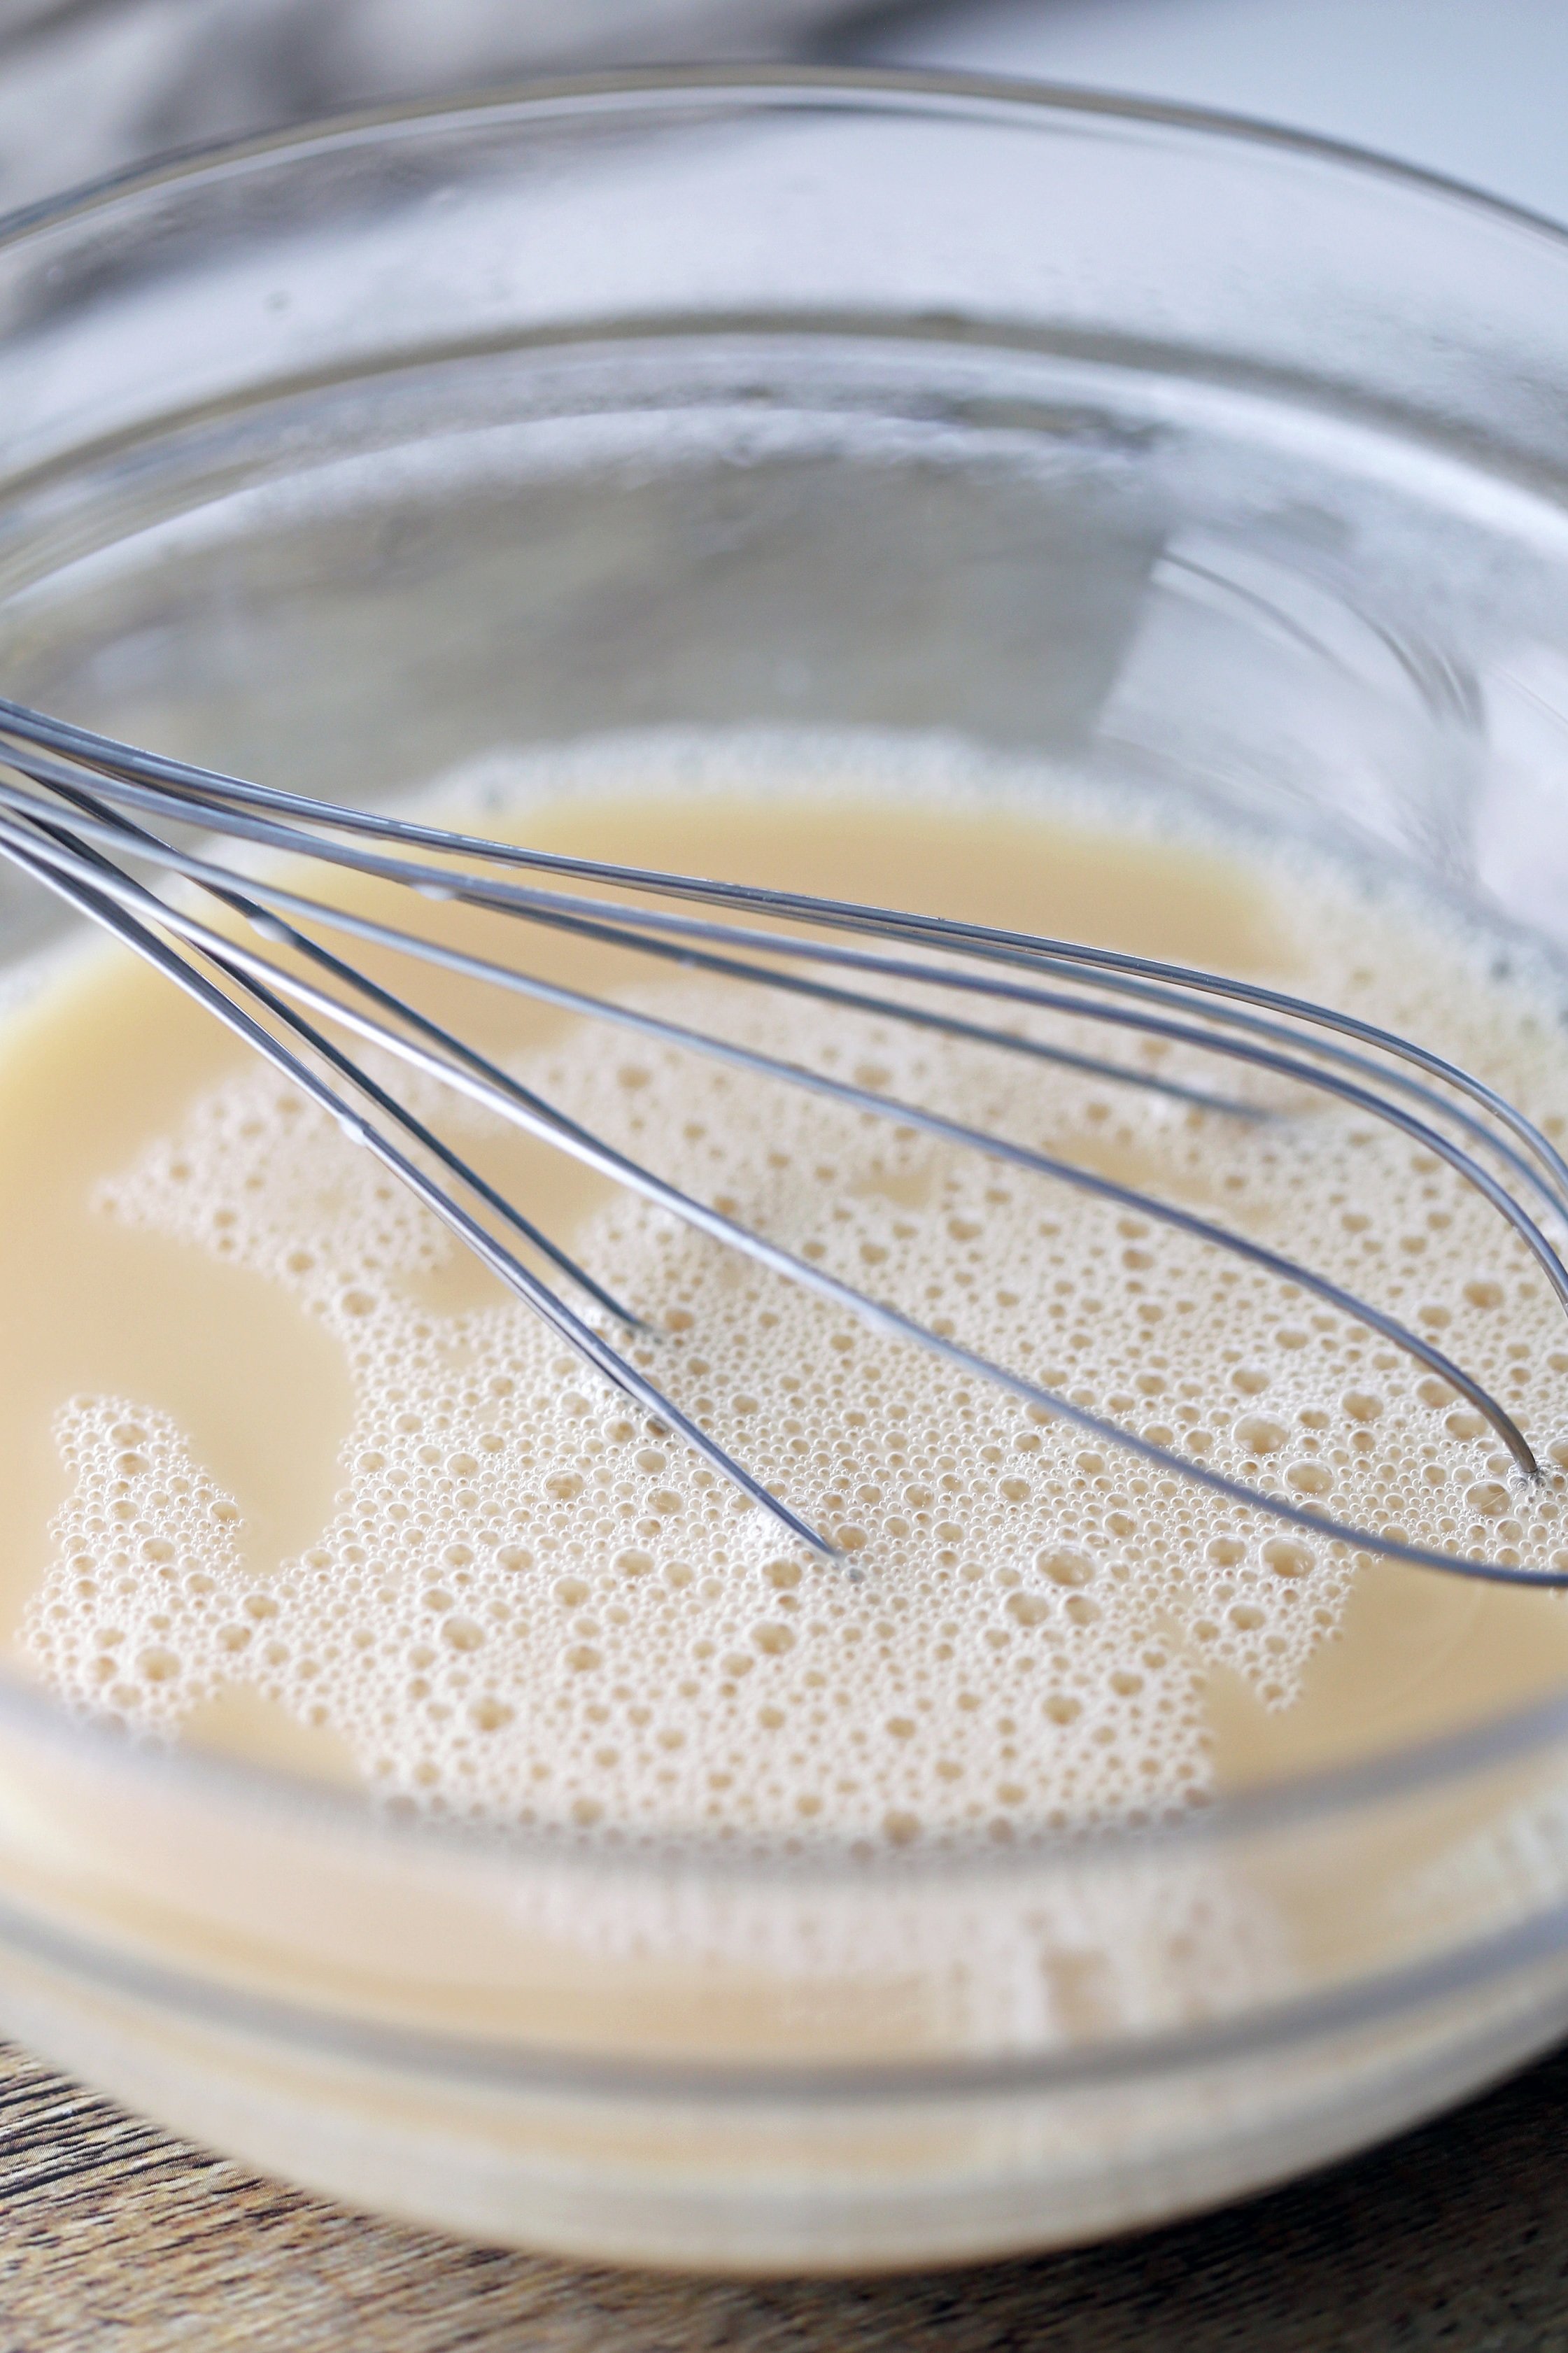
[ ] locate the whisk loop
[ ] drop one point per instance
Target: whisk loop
(80, 812)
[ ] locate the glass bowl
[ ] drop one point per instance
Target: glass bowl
(1194, 459)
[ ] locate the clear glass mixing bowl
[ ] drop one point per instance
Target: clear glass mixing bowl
(1177, 453)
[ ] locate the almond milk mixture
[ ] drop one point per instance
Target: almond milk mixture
(290, 1476)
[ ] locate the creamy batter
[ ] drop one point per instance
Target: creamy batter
(290, 1475)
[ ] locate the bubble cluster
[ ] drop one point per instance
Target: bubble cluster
(532, 1604)
(148, 1598)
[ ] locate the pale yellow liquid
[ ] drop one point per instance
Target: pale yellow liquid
(256, 1398)
(211, 1308)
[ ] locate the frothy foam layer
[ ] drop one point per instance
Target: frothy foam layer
(532, 1604)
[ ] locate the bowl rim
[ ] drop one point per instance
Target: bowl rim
(658, 89)
(1402, 1769)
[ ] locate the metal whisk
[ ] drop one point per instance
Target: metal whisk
(78, 812)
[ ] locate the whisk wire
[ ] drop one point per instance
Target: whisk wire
(639, 931)
(590, 1344)
(656, 1030)
(1229, 1000)
(62, 841)
(1419, 1132)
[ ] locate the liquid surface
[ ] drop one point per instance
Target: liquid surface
(291, 1475)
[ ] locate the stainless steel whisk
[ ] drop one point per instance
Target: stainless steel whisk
(78, 812)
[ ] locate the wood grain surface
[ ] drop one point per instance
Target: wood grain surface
(114, 2237)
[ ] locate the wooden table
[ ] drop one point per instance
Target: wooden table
(116, 2239)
